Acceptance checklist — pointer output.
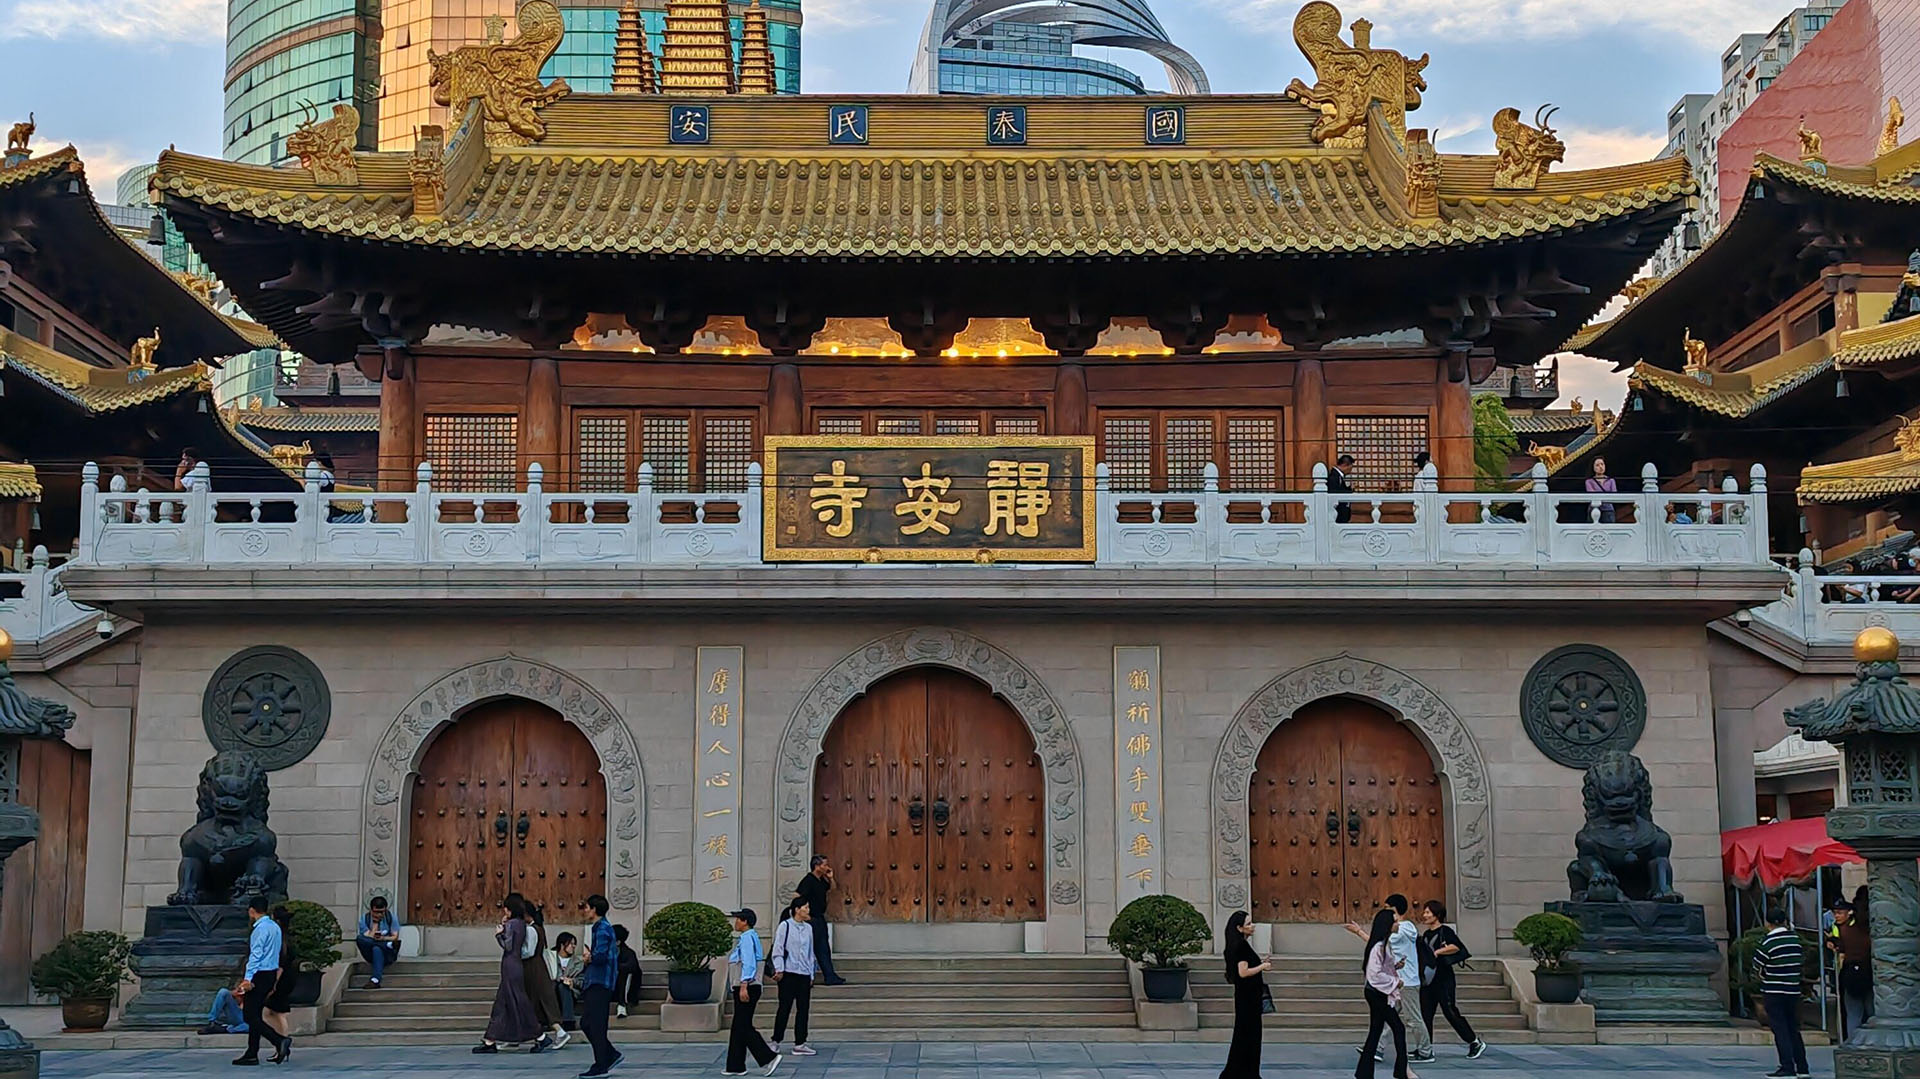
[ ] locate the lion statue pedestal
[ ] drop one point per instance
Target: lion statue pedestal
(197, 943)
(1646, 956)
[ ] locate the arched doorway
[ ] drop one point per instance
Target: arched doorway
(1345, 808)
(929, 798)
(508, 798)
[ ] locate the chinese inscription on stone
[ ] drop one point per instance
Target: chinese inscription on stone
(717, 744)
(1137, 759)
(930, 499)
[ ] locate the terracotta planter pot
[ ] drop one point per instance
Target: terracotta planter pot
(86, 1013)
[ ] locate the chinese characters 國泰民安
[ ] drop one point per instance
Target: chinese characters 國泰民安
(1018, 493)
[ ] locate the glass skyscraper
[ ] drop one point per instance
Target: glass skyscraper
(1026, 47)
(283, 55)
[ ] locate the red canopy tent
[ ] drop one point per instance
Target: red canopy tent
(1781, 853)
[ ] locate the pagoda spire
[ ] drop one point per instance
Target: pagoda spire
(756, 53)
(696, 56)
(633, 70)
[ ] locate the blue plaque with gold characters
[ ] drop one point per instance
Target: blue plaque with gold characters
(1166, 125)
(690, 125)
(1007, 125)
(847, 125)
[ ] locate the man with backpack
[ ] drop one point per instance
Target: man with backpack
(1441, 950)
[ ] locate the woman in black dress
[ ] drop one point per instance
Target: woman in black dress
(1244, 970)
(280, 1001)
(513, 1020)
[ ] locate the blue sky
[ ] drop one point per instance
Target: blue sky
(124, 79)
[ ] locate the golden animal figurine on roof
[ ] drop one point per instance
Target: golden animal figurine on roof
(1696, 350)
(326, 146)
(198, 284)
(1551, 456)
(1639, 287)
(505, 77)
(1907, 439)
(20, 135)
(1811, 144)
(1890, 135)
(1348, 79)
(1526, 151)
(140, 357)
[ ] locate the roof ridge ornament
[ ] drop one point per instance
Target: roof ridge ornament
(1890, 135)
(1423, 176)
(325, 148)
(1526, 151)
(1350, 78)
(505, 77)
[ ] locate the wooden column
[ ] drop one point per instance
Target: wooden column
(786, 411)
(400, 444)
(1311, 444)
(1070, 400)
(1453, 435)
(541, 420)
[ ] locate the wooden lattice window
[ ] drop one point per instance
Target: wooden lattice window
(1253, 451)
(603, 453)
(1383, 448)
(1170, 451)
(1129, 453)
(947, 422)
(478, 453)
(726, 451)
(690, 450)
(840, 425)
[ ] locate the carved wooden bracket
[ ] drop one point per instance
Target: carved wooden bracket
(666, 325)
(930, 330)
(1303, 324)
(1073, 331)
(1189, 330)
(784, 327)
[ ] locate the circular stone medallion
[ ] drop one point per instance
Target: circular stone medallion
(1581, 701)
(270, 701)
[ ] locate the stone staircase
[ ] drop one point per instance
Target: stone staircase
(1319, 1000)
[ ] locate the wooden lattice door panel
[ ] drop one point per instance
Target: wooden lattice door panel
(459, 842)
(1296, 826)
(46, 880)
(560, 854)
(1393, 794)
(986, 796)
(871, 776)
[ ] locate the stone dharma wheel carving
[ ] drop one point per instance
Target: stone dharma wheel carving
(1581, 701)
(270, 701)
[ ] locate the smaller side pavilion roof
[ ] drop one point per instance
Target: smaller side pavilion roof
(309, 420)
(1864, 479)
(97, 390)
(18, 480)
(1874, 346)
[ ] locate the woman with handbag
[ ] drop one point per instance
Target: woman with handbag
(1441, 951)
(1251, 998)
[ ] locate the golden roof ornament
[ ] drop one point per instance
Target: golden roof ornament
(505, 77)
(20, 135)
(1696, 350)
(326, 147)
(140, 358)
(1811, 144)
(756, 53)
(496, 29)
(1348, 79)
(1551, 456)
(1890, 135)
(1639, 287)
(199, 284)
(1526, 151)
(1876, 644)
(633, 67)
(1578, 407)
(1423, 176)
(427, 171)
(1907, 439)
(696, 54)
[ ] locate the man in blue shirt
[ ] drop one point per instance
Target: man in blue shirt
(379, 938)
(743, 965)
(597, 995)
(256, 984)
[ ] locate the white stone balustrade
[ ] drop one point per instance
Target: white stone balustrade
(33, 605)
(1530, 528)
(1833, 609)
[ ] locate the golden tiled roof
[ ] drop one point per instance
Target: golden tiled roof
(1887, 342)
(1734, 395)
(1249, 182)
(1863, 182)
(98, 389)
(18, 481)
(1861, 480)
(1545, 421)
(253, 333)
(65, 159)
(310, 420)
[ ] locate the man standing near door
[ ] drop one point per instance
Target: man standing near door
(812, 890)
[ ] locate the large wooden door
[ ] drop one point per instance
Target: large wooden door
(46, 880)
(509, 798)
(1345, 810)
(928, 802)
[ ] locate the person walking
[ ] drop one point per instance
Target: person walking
(1406, 955)
(280, 1001)
(513, 1020)
(1244, 972)
(1444, 951)
(1852, 946)
(378, 939)
(1339, 482)
(743, 974)
(794, 966)
(264, 944)
(812, 890)
(603, 953)
(539, 970)
(1384, 989)
(1777, 962)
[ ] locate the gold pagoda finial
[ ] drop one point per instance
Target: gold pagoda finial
(1811, 143)
(696, 55)
(1526, 152)
(756, 53)
(1890, 135)
(1423, 176)
(505, 77)
(326, 147)
(20, 135)
(1349, 79)
(633, 70)
(1876, 644)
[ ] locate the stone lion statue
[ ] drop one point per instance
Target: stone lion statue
(228, 856)
(1621, 855)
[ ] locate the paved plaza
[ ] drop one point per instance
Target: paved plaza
(964, 1060)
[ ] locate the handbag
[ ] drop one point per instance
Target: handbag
(1266, 1000)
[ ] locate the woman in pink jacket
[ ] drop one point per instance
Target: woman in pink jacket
(1383, 1000)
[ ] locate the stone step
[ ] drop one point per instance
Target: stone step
(1335, 1006)
(1354, 1023)
(449, 1025)
(1283, 990)
(397, 1008)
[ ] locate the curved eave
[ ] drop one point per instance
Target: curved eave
(1862, 480)
(1873, 346)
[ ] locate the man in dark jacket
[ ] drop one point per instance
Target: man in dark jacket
(1339, 483)
(812, 890)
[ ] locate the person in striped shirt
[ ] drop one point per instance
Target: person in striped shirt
(1777, 965)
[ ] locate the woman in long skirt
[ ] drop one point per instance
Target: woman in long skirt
(546, 1004)
(513, 1019)
(1244, 970)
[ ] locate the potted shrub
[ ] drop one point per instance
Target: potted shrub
(316, 940)
(85, 970)
(690, 936)
(1550, 937)
(1157, 931)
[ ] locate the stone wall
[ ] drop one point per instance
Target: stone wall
(646, 672)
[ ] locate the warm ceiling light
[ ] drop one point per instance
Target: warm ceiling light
(835, 350)
(1003, 353)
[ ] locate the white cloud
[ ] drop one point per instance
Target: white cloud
(1595, 382)
(1709, 22)
(116, 20)
(105, 160)
(840, 14)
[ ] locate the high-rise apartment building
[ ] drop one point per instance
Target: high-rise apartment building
(286, 55)
(1030, 47)
(586, 56)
